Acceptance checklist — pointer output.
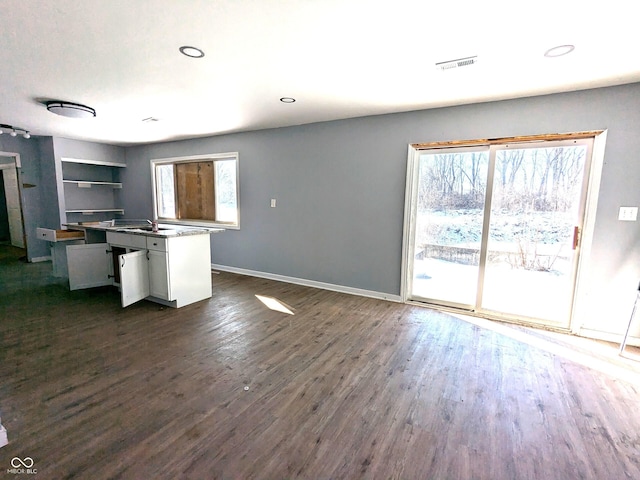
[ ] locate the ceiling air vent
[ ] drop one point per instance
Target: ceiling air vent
(460, 62)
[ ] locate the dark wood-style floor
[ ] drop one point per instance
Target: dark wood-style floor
(348, 387)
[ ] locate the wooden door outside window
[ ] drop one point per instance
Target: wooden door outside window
(195, 190)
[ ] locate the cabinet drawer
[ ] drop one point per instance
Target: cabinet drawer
(157, 243)
(58, 235)
(127, 240)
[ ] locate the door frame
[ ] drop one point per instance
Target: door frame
(16, 164)
(582, 268)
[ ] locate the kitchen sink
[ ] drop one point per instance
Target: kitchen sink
(150, 228)
(142, 228)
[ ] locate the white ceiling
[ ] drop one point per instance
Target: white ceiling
(337, 58)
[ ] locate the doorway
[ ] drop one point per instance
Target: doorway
(11, 202)
(495, 229)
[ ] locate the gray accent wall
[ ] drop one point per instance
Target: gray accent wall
(40, 189)
(35, 195)
(68, 148)
(49, 217)
(340, 190)
(5, 232)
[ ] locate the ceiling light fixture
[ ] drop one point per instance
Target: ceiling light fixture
(14, 131)
(192, 52)
(68, 109)
(559, 51)
(287, 100)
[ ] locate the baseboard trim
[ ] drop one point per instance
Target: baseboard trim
(608, 336)
(309, 283)
(40, 259)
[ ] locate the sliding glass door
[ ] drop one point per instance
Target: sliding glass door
(450, 200)
(495, 229)
(535, 219)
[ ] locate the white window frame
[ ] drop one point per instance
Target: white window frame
(192, 159)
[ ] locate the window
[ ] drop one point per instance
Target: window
(198, 190)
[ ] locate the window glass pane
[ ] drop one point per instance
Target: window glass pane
(537, 195)
(225, 189)
(202, 190)
(166, 191)
(449, 215)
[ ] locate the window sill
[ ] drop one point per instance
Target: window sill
(187, 223)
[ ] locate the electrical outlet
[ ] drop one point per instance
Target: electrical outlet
(273, 203)
(628, 214)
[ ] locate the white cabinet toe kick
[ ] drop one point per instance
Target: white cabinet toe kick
(174, 271)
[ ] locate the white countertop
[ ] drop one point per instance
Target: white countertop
(164, 230)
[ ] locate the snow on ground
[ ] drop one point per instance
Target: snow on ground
(541, 240)
(528, 293)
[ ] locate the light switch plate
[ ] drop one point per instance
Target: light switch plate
(273, 203)
(628, 214)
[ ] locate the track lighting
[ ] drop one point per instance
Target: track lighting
(14, 131)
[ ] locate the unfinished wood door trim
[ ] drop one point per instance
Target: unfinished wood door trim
(505, 140)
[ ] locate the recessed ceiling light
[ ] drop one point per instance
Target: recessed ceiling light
(559, 51)
(68, 109)
(192, 52)
(287, 100)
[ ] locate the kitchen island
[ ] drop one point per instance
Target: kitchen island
(171, 266)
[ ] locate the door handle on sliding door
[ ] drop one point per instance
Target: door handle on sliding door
(576, 237)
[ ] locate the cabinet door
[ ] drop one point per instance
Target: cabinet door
(159, 275)
(89, 265)
(134, 277)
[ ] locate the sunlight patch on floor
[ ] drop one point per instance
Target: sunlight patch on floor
(598, 356)
(274, 304)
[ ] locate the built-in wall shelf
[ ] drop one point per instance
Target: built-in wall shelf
(88, 184)
(90, 187)
(97, 210)
(104, 163)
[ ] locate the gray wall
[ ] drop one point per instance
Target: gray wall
(33, 198)
(49, 217)
(5, 233)
(64, 147)
(41, 205)
(340, 190)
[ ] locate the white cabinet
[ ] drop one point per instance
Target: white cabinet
(188, 266)
(179, 268)
(159, 279)
(127, 240)
(174, 271)
(90, 187)
(59, 240)
(134, 277)
(89, 265)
